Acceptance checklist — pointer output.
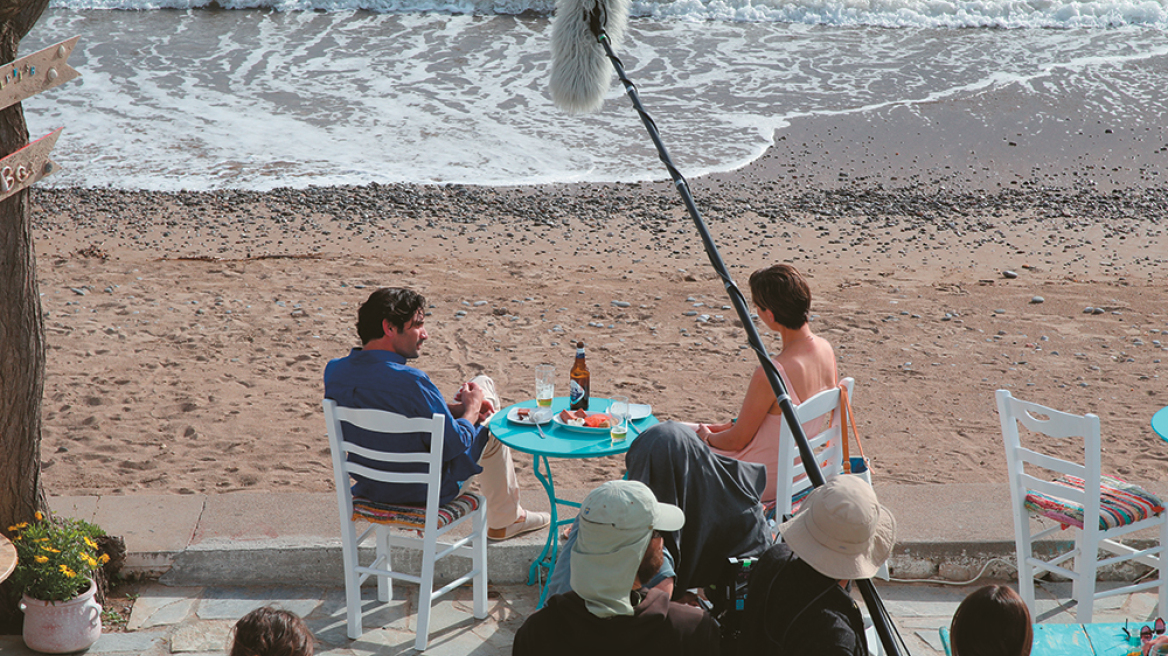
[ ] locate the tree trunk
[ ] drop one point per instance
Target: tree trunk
(22, 330)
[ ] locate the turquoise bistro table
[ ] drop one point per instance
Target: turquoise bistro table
(1160, 423)
(1105, 639)
(560, 443)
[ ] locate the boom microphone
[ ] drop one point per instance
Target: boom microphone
(580, 69)
(579, 79)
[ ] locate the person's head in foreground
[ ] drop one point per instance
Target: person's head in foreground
(392, 319)
(782, 290)
(268, 631)
(841, 530)
(618, 544)
(992, 621)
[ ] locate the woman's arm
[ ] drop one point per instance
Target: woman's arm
(732, 437)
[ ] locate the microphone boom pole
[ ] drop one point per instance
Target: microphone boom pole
(596, 20)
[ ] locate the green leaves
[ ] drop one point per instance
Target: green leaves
(56, 557)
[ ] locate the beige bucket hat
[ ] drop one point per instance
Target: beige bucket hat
(841, 529)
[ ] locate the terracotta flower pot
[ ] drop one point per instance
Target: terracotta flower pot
(61, 627)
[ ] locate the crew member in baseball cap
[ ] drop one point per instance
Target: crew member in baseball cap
(606, 611)
(617, 521)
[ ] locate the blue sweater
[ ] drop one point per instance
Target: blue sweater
(381, 380)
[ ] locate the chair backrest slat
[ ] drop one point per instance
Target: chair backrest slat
(381, 421)
(1050, 422)
(386, 456)
(1055, 490)
(1044, 461)
(353, 468)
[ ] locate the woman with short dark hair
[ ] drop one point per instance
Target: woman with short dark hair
(993, 621)
(806, 363)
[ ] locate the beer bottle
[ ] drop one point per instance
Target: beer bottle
(579, 383)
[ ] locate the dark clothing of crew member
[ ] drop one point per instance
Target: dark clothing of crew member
(793, 610)
(565, 627)
(720, 497)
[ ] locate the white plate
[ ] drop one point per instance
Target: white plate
(581, 429)
(639, 410)
(545, 416)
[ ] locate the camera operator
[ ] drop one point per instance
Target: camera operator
(618, 545)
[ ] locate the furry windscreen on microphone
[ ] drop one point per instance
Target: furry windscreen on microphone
(581, 72)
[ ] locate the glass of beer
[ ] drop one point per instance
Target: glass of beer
(618, 425)
(545, 385)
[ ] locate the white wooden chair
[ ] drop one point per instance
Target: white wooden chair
(793, 484)
(1099, 508)
(827, 445)
(433, 521)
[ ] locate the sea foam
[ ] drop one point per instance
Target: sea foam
(1014, 14)
(256, 98)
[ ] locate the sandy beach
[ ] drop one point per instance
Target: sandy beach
(188, 332)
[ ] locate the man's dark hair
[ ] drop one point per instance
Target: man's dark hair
(992, 621)
(397, 305)
(268, 631)
(782, 290)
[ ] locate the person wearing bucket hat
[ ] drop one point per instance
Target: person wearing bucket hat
(798, 600)
(618, 544)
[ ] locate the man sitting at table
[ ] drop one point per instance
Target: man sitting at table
(391, 327)
(619, 545)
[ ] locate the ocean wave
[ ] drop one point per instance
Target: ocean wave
(261, 99)
(1002, 14)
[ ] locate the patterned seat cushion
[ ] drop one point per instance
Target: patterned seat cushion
(797, 499)
(1121, 503)
(411, 516)
(769, 510)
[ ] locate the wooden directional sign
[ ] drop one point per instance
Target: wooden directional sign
(27, 165)
(32, 74)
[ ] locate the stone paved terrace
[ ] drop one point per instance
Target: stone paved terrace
(197, 620)
(217, 557)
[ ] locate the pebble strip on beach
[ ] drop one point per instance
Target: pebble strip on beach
(874, 222)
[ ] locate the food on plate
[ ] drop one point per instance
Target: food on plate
(598, 420)
(523, 413)
(583, 419)
(570, 416)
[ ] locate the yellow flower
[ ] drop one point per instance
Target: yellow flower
(68, 572)
(12, 528)
(39, 516)
(103, 559)
(41, 559)
(50, 549)
(89, 560)
(91, 543)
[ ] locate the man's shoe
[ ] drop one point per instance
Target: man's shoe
(532, 521)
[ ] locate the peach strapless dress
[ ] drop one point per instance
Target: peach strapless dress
(764, 448)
